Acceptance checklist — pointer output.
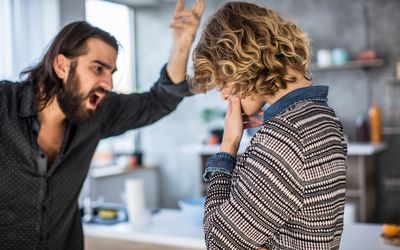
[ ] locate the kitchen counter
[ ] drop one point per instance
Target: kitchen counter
(364, 236)
(353, 149)
(170, 230)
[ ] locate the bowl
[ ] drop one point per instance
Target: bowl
(193, 210)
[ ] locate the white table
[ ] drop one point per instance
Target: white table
(170, 230)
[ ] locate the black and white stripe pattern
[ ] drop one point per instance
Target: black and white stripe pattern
(288, 188)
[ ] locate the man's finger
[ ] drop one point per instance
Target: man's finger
(186, 14)
(180, 25)
(180, 5)
(199, 7)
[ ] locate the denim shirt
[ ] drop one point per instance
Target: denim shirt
(225, 163)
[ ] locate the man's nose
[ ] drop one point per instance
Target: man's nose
(107, 83)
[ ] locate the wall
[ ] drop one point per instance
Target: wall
(71, 10)
(330, 24)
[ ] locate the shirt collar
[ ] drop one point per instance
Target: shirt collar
(312, 93)
(28, 103)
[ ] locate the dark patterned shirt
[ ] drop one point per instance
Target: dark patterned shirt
(38, 205)
(287, 191)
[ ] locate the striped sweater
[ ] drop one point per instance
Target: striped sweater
(288, 188)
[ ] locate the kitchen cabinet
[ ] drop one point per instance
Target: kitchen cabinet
(362, 182)
(108, 183)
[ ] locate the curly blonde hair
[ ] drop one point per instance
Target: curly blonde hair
(250, 48)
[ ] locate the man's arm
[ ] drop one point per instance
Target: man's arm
(124, 112)
(185, 25)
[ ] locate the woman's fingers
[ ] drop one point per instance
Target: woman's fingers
(252, 122)
(235, 106)
(233, 129)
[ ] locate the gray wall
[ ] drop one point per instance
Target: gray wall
(330, 24)
(71, 10)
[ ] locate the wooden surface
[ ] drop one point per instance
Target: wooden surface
(97, 243)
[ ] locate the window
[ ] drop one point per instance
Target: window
(26, 27)
(117, 19)
(5, 41)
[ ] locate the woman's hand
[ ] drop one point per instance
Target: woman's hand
(235, 122)
(233, 129)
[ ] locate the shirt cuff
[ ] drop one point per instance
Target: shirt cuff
(179, 90)
(221, 163)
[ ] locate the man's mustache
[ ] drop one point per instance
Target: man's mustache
(99, 90)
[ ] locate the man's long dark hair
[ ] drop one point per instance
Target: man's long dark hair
(70, 42)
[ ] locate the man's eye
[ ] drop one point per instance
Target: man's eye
(99, 69)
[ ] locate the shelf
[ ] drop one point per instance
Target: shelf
(350, 65)
(391, 131)
(364, 149)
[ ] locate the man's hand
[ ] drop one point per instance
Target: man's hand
(185, 25)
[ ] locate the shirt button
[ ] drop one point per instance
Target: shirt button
(42, 155)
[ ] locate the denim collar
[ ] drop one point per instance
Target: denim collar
(313, 93)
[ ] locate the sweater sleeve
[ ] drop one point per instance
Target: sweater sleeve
(249, 210)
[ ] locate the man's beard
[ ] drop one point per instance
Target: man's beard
(72, 102)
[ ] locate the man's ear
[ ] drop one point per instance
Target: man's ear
(61, 65)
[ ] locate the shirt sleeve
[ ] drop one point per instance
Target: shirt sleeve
(123, 112)
(248, 210)
(219, 163)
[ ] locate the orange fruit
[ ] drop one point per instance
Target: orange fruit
(391, 230)
(213, 140)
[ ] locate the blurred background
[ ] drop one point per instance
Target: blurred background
(355, 50)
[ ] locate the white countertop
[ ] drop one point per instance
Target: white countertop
(170, 228)
(353, 149)
(167, 227)
(364, 237)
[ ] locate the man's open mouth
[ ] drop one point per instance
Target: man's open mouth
(96, 98)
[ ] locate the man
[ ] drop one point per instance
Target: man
(52, 122)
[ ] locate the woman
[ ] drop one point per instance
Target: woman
(287, 190)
